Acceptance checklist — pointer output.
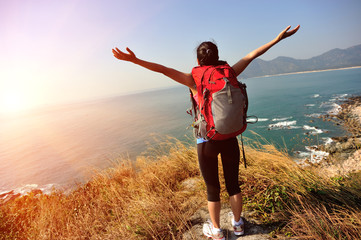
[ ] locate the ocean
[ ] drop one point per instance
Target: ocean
(60, 146)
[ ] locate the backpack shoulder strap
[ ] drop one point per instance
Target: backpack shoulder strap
(244, 91)
(194, 109)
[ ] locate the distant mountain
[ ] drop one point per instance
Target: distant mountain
(336, 58)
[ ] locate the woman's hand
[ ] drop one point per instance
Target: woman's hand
(285, 33)
(183, 78)
(243, 63)
(130, 56)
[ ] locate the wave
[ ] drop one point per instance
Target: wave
(283, 125)
(339, 97)
(315, 95)
(312, 130)
(328, 140)
(333, 108)
(263, 119)
(313, 154)
(314, 115)
(310, 105)
(26, 189)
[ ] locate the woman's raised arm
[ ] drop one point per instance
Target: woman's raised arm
(183, 78)
(243, 63)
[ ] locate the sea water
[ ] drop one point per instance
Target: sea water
(289, 107)
(59, 146)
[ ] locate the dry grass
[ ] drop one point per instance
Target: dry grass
(146, 200)
(324, 221)
(141, 200)
(304, 204)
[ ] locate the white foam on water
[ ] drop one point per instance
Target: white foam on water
(48, 188)
(312, 130)
(26, 189)
(339, 97)
(316, 155)
(310, 105)
(23, 190)
(5, 194)
(303, 154)
(263, 119)
(328, 140)
(328, 104)
(313, 115)
(313, 154)
(335, 109)
(315, 95)
(284, 125)
(342, 95)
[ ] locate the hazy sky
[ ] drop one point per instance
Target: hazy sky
(57, 51)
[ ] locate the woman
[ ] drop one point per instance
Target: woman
(207, 54)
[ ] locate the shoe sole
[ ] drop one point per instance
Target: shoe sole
(238, 233)
(216, 238)
(210, 237)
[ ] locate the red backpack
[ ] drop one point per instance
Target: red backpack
(221, 112)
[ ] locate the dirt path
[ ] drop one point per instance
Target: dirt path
(253, 231)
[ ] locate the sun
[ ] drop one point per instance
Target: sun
(12, 102)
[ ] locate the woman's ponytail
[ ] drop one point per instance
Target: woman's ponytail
(207, 54)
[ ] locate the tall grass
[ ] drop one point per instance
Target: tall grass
(132, 200)
(305, 204)
(146, 199)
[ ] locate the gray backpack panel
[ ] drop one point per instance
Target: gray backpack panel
(228, 109)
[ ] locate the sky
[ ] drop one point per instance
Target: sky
(55, 52)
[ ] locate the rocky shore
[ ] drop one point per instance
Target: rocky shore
(344, 153)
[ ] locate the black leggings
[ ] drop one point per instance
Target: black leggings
(208, 163)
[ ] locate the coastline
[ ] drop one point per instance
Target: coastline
(311, 129)
(344, 152)
(312, 71)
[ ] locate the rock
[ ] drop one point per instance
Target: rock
(332, 149)
(344, 155)
(338, 147)
(344, 167)
(191, 184)
(344, 152)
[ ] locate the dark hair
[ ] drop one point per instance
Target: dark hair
(207, 54)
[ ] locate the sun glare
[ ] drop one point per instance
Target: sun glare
(12, 102)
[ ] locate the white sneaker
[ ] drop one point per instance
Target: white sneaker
(238, 229)
(210, 232)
